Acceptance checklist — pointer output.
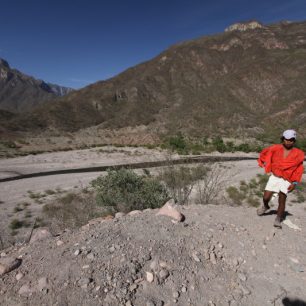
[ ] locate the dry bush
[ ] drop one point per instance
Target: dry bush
(180, 180)
(211, 186)
(72, 211)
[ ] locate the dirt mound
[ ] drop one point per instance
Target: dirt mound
(218, 255)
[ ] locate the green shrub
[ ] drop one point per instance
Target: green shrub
(235, 195)
(244, 147)
(124, 190)
(49, 192)
(177, 143)
(15, 224)
(301, 144)
(18, 208)
(67, 198)
(252, 201)
(219, 144)
(249, 192)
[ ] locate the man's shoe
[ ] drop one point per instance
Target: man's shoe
(278, 222)
(261, 210)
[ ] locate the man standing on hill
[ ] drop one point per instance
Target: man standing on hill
(284, 163)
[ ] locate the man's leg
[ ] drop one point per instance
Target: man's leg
(281, 205)
(266, 199)
(281, 209)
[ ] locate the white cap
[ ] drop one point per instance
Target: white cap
(288, 134)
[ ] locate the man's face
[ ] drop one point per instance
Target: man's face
(288, 143)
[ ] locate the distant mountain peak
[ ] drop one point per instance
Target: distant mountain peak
(4, 63)
(20, 92)
(244, 26)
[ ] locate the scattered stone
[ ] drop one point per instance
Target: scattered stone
(42, 284)
(128, 303)
(163, 274)
(86, 267)
(184, 289)
(25, 290)
(98, 220)
(41, 233)
(133, 287)
(195, 257)
(220, 227)
(154, 265)
(19, 276)
(176, 294)
(212, 258)
(3, 254)
(84, 282)
(150, 277)
(134, 212)
(112, 249)
(245, 290)
(147, 210)
(8, 264)
(77, 252)
(206, 254)
(150, 303)
(163, 264)
(119, 215)
(169, 210)
(242, 277)
(90, 256)
(59, 242)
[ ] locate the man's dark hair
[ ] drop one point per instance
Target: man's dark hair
(283, 138)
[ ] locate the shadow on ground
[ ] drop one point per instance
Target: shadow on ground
(274, 212)
(290, 302)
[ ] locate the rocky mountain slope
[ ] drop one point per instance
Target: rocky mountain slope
(219, 255)
(20, 92)
(245, 81)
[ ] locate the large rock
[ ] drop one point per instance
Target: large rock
(169, 209)
(40, 234)
(9, 264)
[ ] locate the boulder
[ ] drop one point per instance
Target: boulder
(8, 264)
(134, 212)
(119, 215)
(40, 234)
(169, 209)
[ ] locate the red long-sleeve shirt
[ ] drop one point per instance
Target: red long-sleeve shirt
(290, 168)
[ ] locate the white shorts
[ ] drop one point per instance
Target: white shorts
(277, 184)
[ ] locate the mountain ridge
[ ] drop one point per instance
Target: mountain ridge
(20, 92)
(232, 83)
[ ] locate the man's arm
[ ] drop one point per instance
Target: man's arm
(297, 175)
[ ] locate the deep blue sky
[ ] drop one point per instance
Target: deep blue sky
(77, 42)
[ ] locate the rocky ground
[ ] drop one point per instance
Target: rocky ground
(219, 255)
